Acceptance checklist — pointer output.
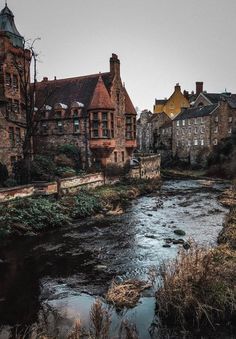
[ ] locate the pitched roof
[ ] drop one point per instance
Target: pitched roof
(129, 107)
(160, 101)
(232, 101)
(68, 90)
(101, 98)
(167, 124)
(153, 117)
(196, 112)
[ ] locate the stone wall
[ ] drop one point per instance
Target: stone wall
(148, 168)
(8, 194)
(74, 184)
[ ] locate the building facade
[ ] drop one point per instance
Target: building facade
(198, 129)
(13, 58)
(92, 112)
(172, 106)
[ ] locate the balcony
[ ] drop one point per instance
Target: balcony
(132, 143)
(102, 144)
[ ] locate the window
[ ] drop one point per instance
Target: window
(183, 122)
(12, 136)
(18, 135)
(15, 81)
(230, 119)
(215, 142)
(58, 114)
(115, 157)
(177, 131)
(130, 128)
(75, 113)
(189, 130)
(177, 123)
(189, 122)
(123, 156)
(112, 125)
(76, 125)
(105, 131)
(202, 120)
(195, 142)
(195, 130)
(15, 106)
(195, 121)
(60, 126)
(202, 142)
(9, 106)
(189, 143)
(230, 130)
(8, 79)
(216, 118)
(44, 127)
(202, 129)
(216, 129)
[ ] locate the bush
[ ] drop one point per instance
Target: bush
(65, 172)
(86, 204)
(32, 214)
(72, 152)
(42, 168)
(197, 289)
(10, 183)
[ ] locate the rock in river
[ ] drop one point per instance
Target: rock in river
(179, 232)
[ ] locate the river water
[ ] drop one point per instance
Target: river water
(53, 279)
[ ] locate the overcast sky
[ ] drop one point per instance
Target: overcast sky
(159, 42)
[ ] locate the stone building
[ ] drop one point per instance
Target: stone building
(198, 129)
(172, 106)
(92, 112)
(13, 57)
(144, 133)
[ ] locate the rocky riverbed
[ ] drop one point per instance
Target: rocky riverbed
(53, 279)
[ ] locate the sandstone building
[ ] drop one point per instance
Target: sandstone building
(92, 112)
(198, 129)
(13, 57)
(172, 106)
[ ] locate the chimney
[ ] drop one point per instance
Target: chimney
(114, 65)
(186, 94)
(199, 87)
(177, 87)
(45, 79)
(55, 78)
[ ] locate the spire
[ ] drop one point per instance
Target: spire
(7, 25)
(101, 98)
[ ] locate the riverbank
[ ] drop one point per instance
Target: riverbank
(32, 216)
(198, 291)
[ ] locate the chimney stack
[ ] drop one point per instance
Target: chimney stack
(186, 94)
(45, 79)
(199, 87)
(177, 87)
(114, 65)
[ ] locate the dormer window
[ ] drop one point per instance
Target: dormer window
(8, 79)
(60, 126)
(76, 125)
(58, 114)
(75, 113)
(15, 81)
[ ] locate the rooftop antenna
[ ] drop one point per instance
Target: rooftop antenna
(5, 2)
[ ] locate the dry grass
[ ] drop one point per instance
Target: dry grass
(197, 288)
(126, 294)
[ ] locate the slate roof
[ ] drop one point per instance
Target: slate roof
(167, 124)
(68, 90)
(129, 107)
(7, 25)
(101, 98)
(196, 112)
(232, 101)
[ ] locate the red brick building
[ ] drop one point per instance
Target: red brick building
(92, 112)
(12, 115)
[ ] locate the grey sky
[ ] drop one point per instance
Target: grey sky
(159, 42)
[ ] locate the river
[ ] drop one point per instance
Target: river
(53, 279)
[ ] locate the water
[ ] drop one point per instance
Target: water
(53, 279)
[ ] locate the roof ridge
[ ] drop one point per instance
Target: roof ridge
(73, 78)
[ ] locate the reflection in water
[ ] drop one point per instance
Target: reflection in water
(53, 279)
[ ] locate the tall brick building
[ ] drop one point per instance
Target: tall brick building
(92, 112)
(13, 56)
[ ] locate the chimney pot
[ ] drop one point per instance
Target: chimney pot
(45, 79)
